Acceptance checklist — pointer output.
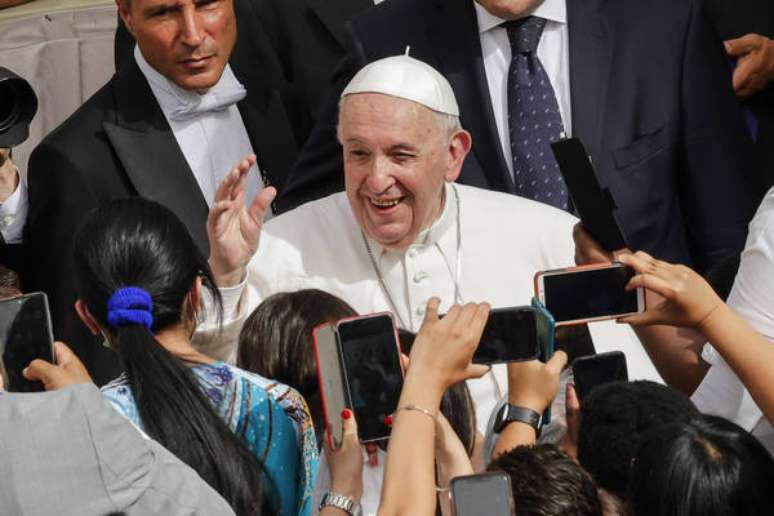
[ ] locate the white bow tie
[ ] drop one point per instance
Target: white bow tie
(217, 99)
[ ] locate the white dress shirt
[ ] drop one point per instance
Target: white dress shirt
(13, 213)
(320, 245)
(212, 142)
(553, 51)
(752, 297)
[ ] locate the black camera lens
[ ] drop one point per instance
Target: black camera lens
(10, 106)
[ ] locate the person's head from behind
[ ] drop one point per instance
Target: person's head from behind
(547, 482)
(187, 41)
(614, 417)
(139, 278)
(401, 138)
(704, 467)
(276, 341)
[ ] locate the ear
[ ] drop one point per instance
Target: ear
(125, 12)
(88, 319)
(195, 295)
(459, 146)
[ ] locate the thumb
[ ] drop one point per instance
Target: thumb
(557, 362)
(63, 355)
(349, 424)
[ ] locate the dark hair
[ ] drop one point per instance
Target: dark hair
(136, 242)
(613, 418)
(276, 341)
(704, 467)
(547, 482)
(456, 403)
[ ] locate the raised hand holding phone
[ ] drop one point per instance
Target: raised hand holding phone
(234, 230)
(687, 299)
(67, 371)
(346, 463)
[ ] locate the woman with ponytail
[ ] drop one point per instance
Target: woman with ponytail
(140, 281)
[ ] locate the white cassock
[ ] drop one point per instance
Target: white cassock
(505, 239)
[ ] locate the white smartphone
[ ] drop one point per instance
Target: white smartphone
(589, 293)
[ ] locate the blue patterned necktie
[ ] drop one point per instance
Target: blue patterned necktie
(533, 117)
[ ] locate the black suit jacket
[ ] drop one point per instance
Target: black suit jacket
(309, 38)
(651, 99)
(117, 145)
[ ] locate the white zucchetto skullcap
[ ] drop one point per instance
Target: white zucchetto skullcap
(407, 78)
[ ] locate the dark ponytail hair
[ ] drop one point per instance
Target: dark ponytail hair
(139, 243)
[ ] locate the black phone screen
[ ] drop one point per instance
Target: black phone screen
(592, 371)
(487, 493)
(25, 334)
(510, 335)
(586, 294)
(373, 372)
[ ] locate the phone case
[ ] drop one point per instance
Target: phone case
(541, 298)
(329, 375)
(546, 334)
(343, 369)
(461, 485)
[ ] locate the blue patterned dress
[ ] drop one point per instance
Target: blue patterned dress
(272, 417)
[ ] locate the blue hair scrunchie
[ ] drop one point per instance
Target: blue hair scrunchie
(130, 305)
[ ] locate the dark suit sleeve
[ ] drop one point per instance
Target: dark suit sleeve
(720, 187)
(59, 198)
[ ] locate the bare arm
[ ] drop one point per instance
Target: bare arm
(441, 357)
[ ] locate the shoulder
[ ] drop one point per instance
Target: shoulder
(490, 206)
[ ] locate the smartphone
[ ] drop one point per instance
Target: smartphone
(373, 374)
(330, 378)
(590, 293)
(594, 204)
(546, 334)
(25, 334)
(510, 335)
(592, 371)
(485, 493)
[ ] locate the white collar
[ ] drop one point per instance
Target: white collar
(441, 232)
(553, 10)
(172, 97)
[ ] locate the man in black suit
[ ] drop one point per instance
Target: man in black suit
(167, 126)
(649, 94)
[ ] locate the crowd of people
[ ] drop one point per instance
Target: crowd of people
(256, 169)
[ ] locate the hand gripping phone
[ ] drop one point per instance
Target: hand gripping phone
(584, 294)
(485, 493)
(594, 204)
(358, 364)
(25, 335)
(594, 370)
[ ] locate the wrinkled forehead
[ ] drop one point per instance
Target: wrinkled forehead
(378, 112)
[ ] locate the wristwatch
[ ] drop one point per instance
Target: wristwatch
(510, 413)
(345, 503)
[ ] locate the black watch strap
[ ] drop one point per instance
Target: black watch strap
(510, 413)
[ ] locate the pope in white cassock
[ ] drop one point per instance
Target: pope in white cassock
(401, 233)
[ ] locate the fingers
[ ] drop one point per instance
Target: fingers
(431, 310)
(477, 371)
(262, 203)
(587, 250)
(234, 178)
(741, 46)
(349, 424)
(64, 355)
(2, 382)
(41, 371)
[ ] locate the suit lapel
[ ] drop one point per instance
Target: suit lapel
(458, 48)
(334, 14)
(150, 155)
(591, 53)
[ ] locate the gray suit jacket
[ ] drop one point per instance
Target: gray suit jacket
(69, 452)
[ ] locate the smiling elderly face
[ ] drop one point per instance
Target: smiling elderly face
(397, 156)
